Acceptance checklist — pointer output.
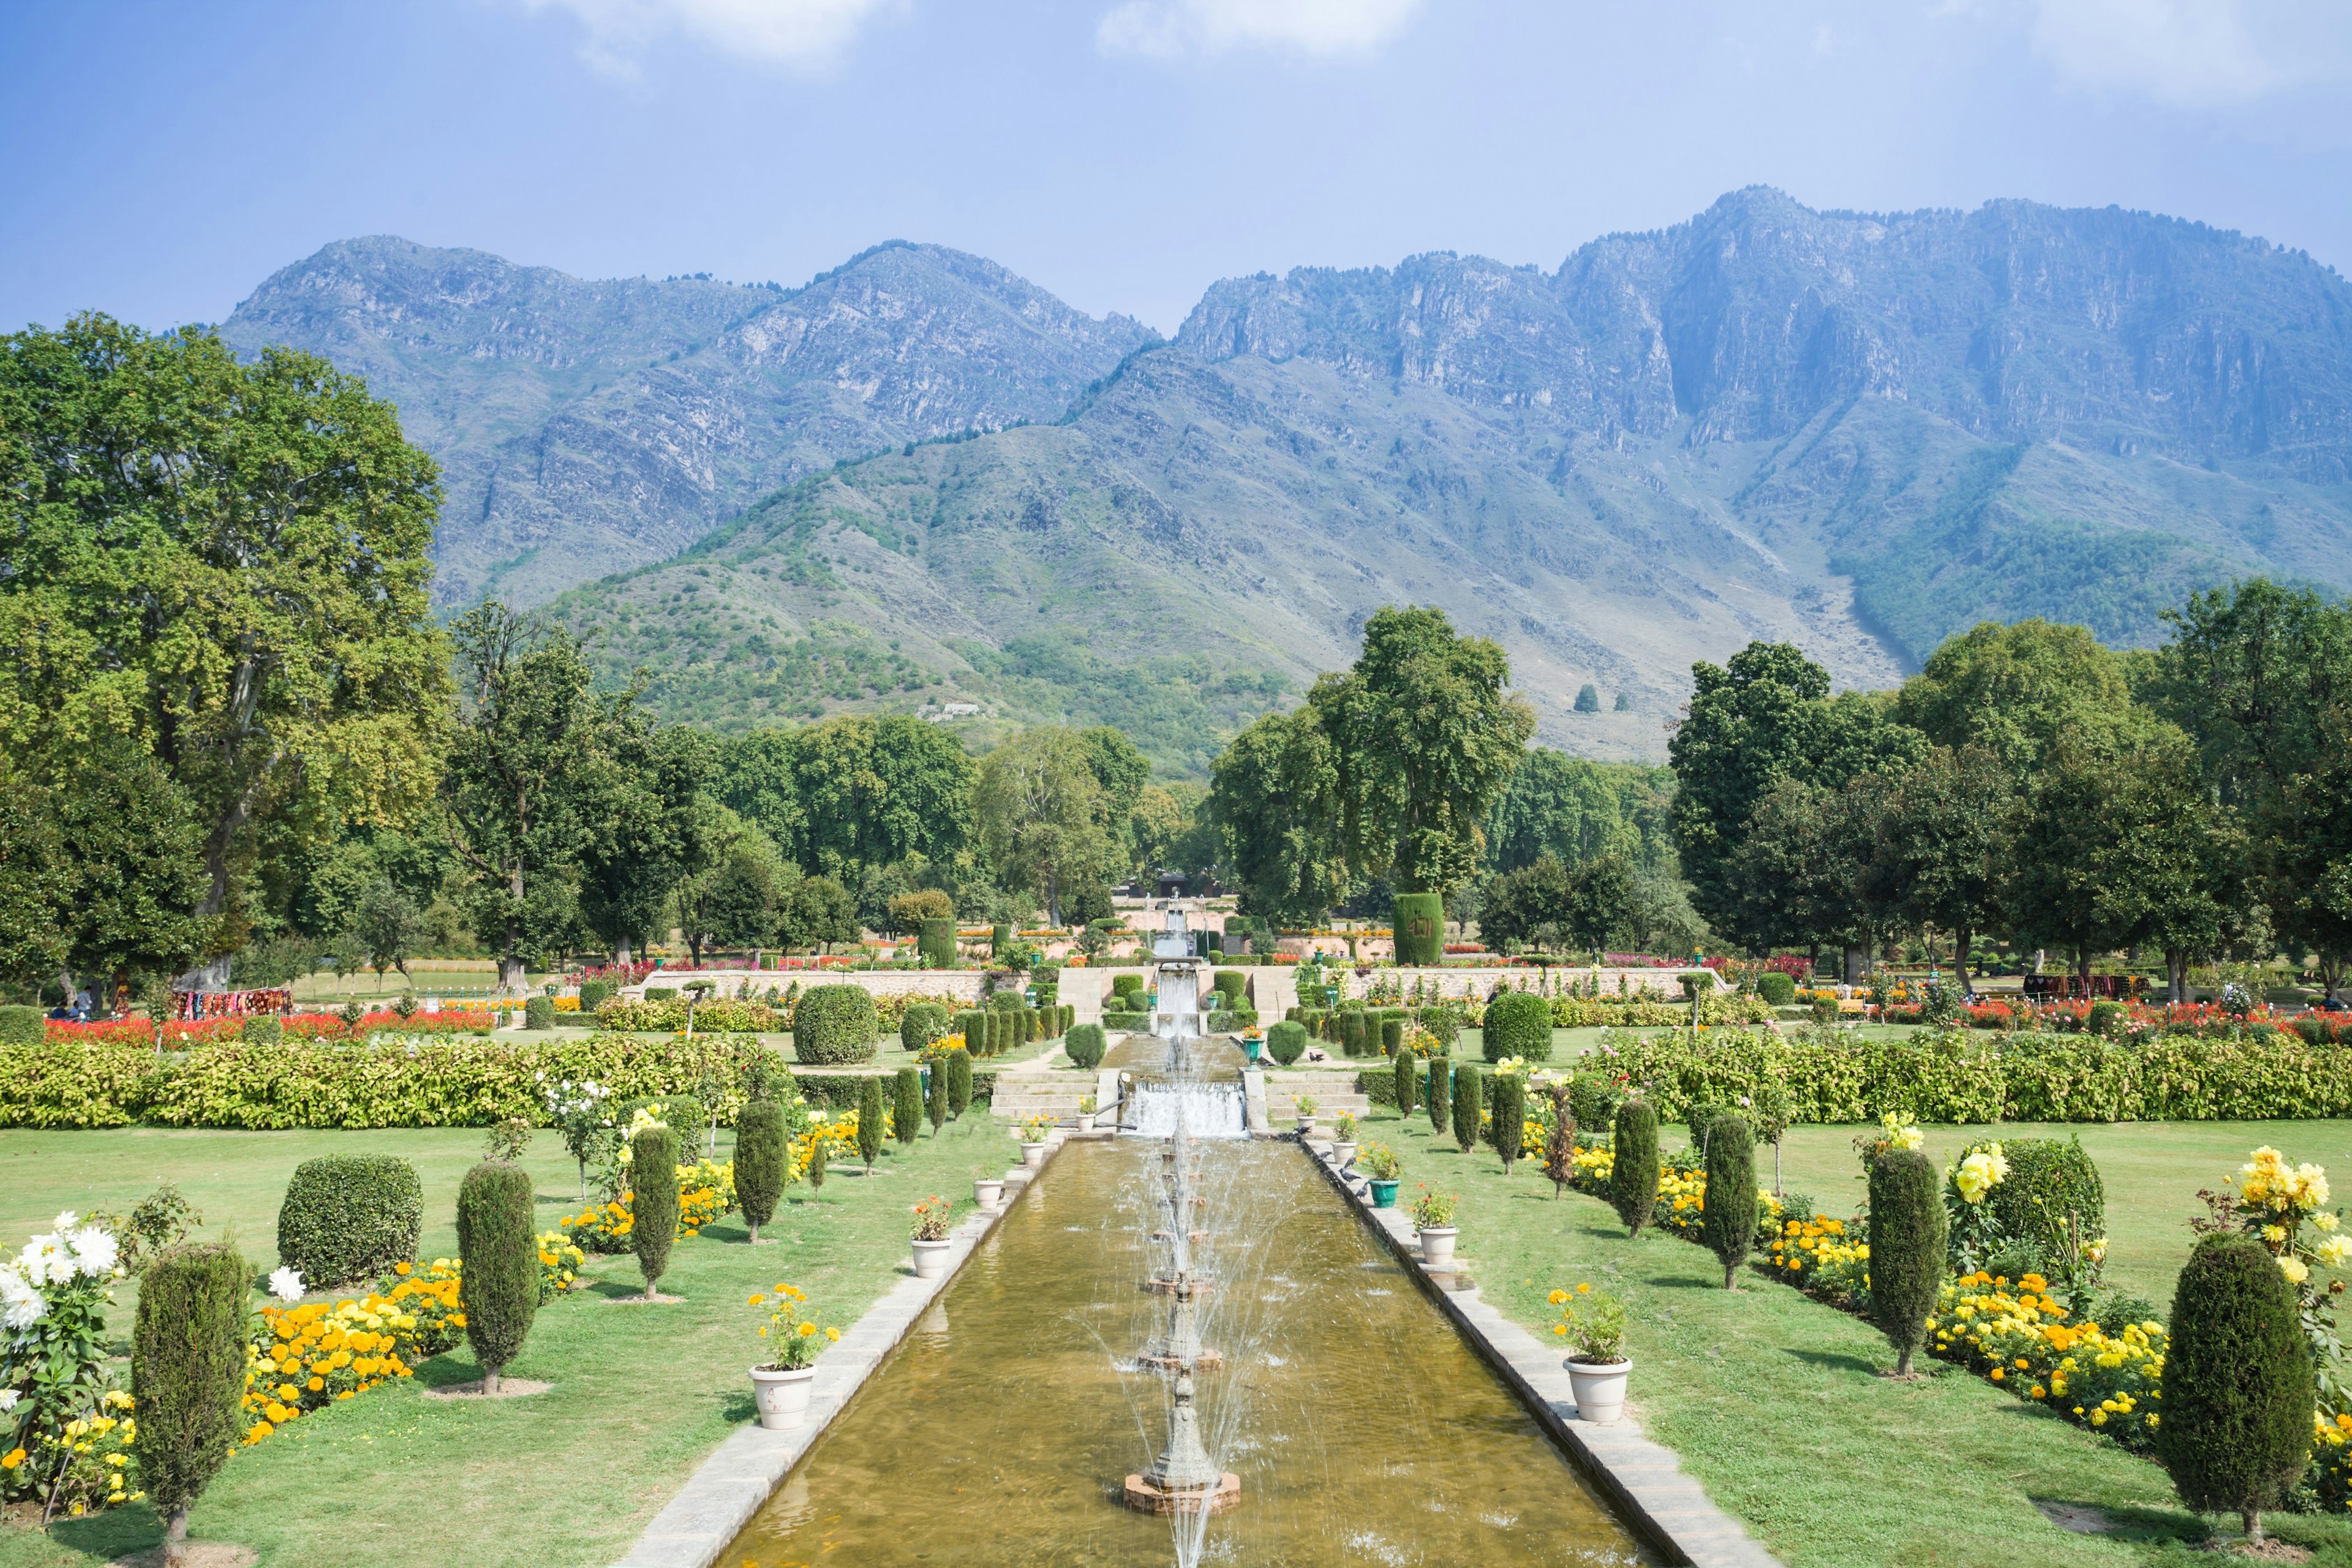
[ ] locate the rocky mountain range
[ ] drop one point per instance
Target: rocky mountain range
(1857, 432)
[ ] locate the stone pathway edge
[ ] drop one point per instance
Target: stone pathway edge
(1643, 1479)
(730, 1486)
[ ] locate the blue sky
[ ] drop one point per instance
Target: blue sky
(158, 161)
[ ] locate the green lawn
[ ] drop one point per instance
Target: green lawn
(568, 1477)
(1773, 1401)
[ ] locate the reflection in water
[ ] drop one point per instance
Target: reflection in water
(1363, 1428)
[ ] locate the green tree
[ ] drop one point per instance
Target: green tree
(1800, 875)
(1426, 737)
(498, 1283)
(1730, 1214)
(1578, 811)
(733, 899)
(1042, 814)
(816, 913)
(1633, 1175)
(389, 925)
(1274, 795)
(515, 785)
(2014, 690)
(1527, 906)
(37, 883)
(762, 1156)
(1906, 1249)
(1943, 844)
(650, 826)
(133, 860)
(188, 1375)
(653, 1202)
(2238, 1383)
(223, 565)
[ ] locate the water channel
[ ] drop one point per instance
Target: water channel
(1363, 1428)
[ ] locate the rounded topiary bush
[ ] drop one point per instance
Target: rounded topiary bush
(497, 1281)
(1285, 1042)
(923, 1023)
(761, 1159)
(1633, 1178)
(1130, 986)
(834, 1024)
(1419, 923)
(1776, 988)
(2106, 1017)
(2238, 1383)
(264, 1030)
(1519, 1024)
(594, 994)
(1232, 984)
(1728, 1220)
(538, 1012)
(350, 1217)
(1392, 1036)
(653, 1202)
(1906, 1249)
(2048, 1181)
(22, 1027)
(187, 1376)
(1469, 1102)
(1085, 1045)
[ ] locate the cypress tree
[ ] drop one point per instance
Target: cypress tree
(1466, 1106)
(959, 1083)
(498, 1278)
(1906, 1249)
(907, 1109)
(1729, 1218)
(934, 1096)
(1392, 1036)
(1633, 1178)
(2237, 1382)
(869, 1121)
(817, 1156)
(1438, 1091)
(1408, 1083)
(760, 1153)
(1507, 1102)
(188, 1375)
(652, 1201)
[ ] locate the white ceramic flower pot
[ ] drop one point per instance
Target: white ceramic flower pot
(1085, 1121)
(988, 1192)
(1437, 1246)
(1033, 1155)
(1305, 1125)
(932, 1259)
(1343, 1155)
(1600, 1389)
(782, 1396)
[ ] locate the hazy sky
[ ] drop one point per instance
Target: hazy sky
(157, 161)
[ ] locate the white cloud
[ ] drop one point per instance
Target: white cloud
(1166, 28)
(784, 32)
(2195, 53)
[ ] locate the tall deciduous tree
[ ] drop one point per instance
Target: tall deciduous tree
(1943, 844)
(2014, 690)
(1274, 795)
(1426, 736)
(516, 780)
(1042, 814)
(650, 824)
(224, 564)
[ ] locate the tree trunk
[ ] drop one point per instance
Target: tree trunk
(1964, 943)
(175, 1538)
(1856, 958)
(623, 953)
(2041, 955)
(2252, 1520)
(755, 1233)
(490, 1381)
(1903, 1363)
(2083, 969)
(2176, 973)
(511, 977)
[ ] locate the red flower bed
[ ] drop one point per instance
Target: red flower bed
(296, 1025)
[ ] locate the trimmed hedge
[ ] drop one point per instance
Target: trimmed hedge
(834, 1024)
(538, 1012)
(760, 1162)
(350, 1217)
(1127, 986)
(1419, 923)
(594, 994)
(924, 1022)
(663, 1015)
(1519, 1024)
(497, 1281)
(1228, 1023)
(1285, 1042)
(1084, 1046)
(2238, 1383)
(187, 1372)
(22, 1027)
(936, 943)
(1127, 1022)
(1776, 988)
(451, 1081)
(262, 1031)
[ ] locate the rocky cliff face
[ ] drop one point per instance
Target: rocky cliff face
(585, 428)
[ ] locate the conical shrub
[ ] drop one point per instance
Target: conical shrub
(653, 1202)
(498, 1277)
(959, 1083)
(1729, 1221)
(1633, 1178)
(2238, 1383)
(907, 1104)
(1906, 1249)
(1437, 1092)
(1406, 1079)
(187, 1376)
(869, 1121)
(934, 1096)
(1507, 1120)
(1467, 1103)
(761, 1158)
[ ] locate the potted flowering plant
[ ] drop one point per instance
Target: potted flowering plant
(1433, 1216)
(1378, 1163)
(1305, 1105)
(1034, 1130)
(1593, 1326)
(931, 1239)
(1253, 1042)
(1343, 1148)
(1086, 1113)
(796, 1335)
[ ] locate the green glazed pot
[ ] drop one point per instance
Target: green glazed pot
(1384, 1194)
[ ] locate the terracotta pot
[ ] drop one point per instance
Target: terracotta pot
(782, 1396)
(1600, 1389)
(932, 1259)
(1437, 1246)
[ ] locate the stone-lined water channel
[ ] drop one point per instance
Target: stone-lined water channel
(1363, 1428)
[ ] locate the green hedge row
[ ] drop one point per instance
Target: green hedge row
(1957, 1077)
(440, 1083)
(839, 1090)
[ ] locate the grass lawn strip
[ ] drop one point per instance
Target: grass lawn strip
(640, 1395)
(1774, 1400)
